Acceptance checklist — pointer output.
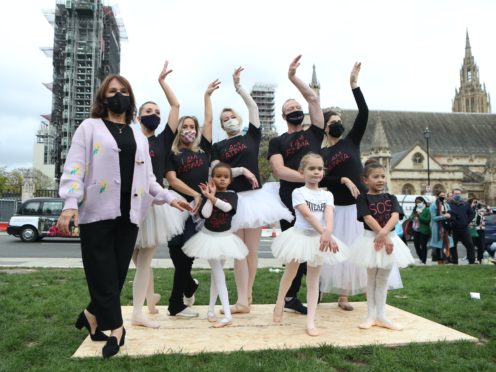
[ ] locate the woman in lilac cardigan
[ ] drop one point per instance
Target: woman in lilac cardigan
(108, 185)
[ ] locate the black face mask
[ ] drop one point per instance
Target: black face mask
(118, 103)
(295, 117)
(151, 122)
(336, 129)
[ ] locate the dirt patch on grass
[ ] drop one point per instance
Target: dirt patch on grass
(18, 271)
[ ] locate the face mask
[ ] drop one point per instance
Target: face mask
(336, 129)
(151, 122)
(420, 206)
(457, 198)
(118, 103)
(188, 136)
(295, 117)
(441, 199)
(232, 126)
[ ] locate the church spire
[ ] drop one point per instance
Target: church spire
(315, 85)
(468, 49)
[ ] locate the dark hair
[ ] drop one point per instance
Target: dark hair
(221, 165)
(420, 198)
(99, 108)
(440, 192)
(328, 114)
(370, 165)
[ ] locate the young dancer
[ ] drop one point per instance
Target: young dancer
(215, 241)
(379, 248)
(310, 240)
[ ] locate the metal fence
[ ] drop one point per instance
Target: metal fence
(8, 207)
(46, 193)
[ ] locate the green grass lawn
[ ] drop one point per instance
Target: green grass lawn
(38, 309)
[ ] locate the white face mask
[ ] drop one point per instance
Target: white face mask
(232, 126)
(420, 206)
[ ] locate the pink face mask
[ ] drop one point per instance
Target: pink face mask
(188, 136)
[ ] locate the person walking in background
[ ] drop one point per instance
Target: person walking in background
(441, 230)
(216, 242)
(421, 219)
(379, 248)
(256, 205)
(187, 168)
(285, 153)
(477, 228)
(107, 186)
(310, 240)
(462, 214)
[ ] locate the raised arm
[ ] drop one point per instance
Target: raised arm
(360, 125)
(173, 119)
(253, 115)
(207, 125)
(313, 100)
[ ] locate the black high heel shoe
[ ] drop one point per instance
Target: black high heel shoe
(111, 348)
(82, 321)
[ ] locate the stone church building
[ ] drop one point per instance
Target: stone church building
(460, 151)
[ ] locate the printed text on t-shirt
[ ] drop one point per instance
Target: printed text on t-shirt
(296, 145)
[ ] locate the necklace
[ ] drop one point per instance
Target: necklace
(119, 127)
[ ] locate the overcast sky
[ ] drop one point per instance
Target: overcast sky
(411, 54)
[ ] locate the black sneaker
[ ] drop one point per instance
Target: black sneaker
(295, 305)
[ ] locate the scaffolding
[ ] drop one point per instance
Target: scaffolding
(86, 48)
(264, 96)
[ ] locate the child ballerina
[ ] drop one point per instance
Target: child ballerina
(215, 241)
(310, 240)
(379, 248)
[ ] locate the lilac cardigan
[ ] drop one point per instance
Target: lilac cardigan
(91, 178)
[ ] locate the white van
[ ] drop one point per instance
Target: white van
(407, 202)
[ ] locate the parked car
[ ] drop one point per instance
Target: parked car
(490, 230)
(36, 219)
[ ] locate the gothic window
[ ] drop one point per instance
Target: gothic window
(418, 159)
(438, 188)
(469, 75)
(408, 189)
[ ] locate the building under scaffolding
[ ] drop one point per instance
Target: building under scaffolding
(264, 96)
(86, 48)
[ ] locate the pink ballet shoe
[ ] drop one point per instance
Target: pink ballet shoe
(367, 324)
(222, 323)
(345, 305)
(312, 332)
(211, 317)
(238, 309)
(145, 322)
(388, 324)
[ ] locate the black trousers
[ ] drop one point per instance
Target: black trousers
(183, 284)
(420, 242)
(106, 248)
(479, 242)
(302, 269)
(462, 235)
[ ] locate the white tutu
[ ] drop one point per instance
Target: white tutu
(215, 245)
(161, 224)
(364, 254)
(348, 277)
(296, 244)
(260, 207)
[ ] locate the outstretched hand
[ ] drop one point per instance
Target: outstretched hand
(164, 71)
(213, 86)
(294, 66)
(237, 77)
(354, 75)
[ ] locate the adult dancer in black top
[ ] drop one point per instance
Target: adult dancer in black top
(285, 153)
(344, 168)
(188, 166)
(158, 227)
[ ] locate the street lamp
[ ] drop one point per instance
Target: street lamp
(427, 135)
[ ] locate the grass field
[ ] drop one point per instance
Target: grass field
(38, 309)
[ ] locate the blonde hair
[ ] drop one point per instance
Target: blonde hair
(228, 109)
(177, 145)
(304, 160)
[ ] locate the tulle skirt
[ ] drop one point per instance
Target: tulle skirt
(260, 207)
(209, 245)
(300, 245)
(161, 224)
(364, 254)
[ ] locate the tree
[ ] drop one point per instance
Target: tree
(263, 163)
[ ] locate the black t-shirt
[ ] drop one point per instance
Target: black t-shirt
(191, 167)
(292, 147)
(379, 206)
(343, 159)
(240, 151)
(160, 147)
(221, 221)
(123, 135)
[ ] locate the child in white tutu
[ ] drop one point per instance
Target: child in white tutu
(379, 248)
(215, 241)
(310, 240)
